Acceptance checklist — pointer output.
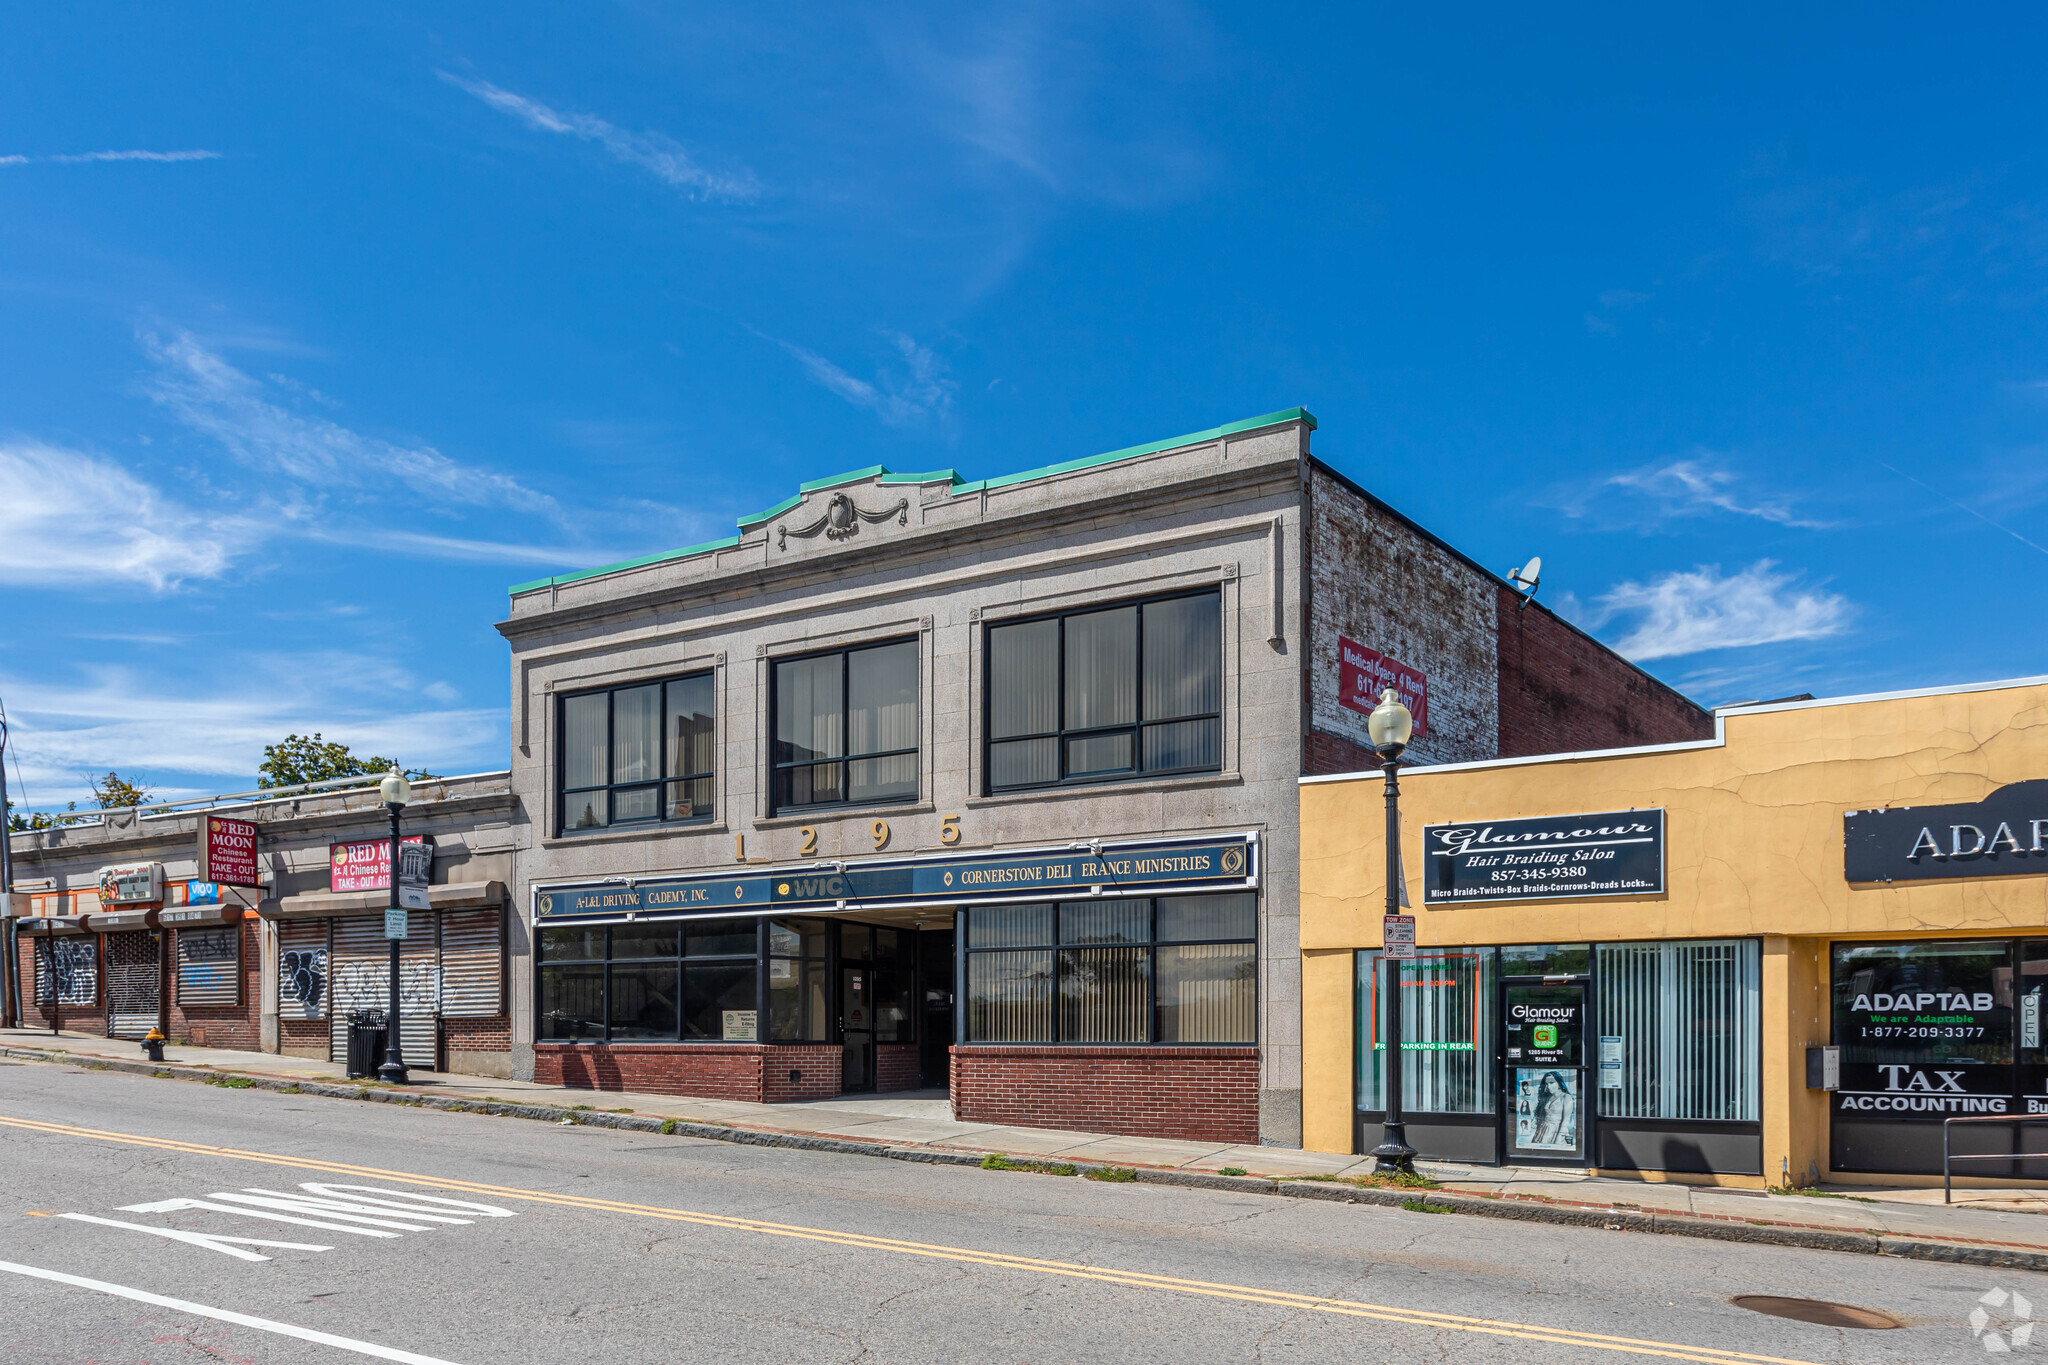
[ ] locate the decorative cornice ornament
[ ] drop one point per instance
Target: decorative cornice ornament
(842, 519)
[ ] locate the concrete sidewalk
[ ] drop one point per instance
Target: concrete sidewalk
(912, 1120)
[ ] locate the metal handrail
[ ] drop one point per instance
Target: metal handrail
(1947, 1156)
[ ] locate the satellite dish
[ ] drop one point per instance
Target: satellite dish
(1526, 578)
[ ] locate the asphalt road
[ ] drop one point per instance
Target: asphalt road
(583, 1244)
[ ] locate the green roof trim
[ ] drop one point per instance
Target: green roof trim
(724, 544)
(957, 486)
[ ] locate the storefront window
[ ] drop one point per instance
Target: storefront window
(1926, 1029)
(1179, 969)
(1447, 1028)
(662, 982)
(796, 982)
(1546, 959)
(1679, 1029)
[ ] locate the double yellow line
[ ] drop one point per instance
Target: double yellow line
(1131, 1279)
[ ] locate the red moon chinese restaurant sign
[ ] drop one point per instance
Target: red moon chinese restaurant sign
(230, 848)
(1364, 673)
(362, 866)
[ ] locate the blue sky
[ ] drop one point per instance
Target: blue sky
(318, 329)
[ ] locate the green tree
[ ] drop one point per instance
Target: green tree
(298, 759)
(113, 793)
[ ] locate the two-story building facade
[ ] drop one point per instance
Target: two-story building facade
(991, 784)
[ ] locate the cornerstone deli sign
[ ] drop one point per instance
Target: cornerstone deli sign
(1106, 870)
(1546, 857)
(2004, 835)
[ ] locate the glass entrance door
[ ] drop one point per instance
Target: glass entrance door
(857, 1029)
(1544, 1059)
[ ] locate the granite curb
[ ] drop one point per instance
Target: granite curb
(1332, 1191)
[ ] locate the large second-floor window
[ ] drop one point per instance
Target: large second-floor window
(846, 727)
(1096, 695)
(640, 753)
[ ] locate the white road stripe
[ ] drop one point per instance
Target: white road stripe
(283, 1329)
(231, 1246)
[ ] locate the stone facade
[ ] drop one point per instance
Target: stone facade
(1298, 556)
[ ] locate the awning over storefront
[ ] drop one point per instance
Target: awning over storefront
(47, 925)
(323, 904)
(200, 916)
(116, 921)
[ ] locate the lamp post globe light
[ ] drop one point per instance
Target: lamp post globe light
(396, 792)
(1391, 727)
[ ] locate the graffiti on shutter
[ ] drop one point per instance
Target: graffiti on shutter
(68, 971)
(133, 977)
(210, 967)
(302, 969)
(472, 963)
(360, 979)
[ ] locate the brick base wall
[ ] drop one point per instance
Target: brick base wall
(1203, 1094)
(897, 1066)
(478, 1035)
(717, 1071)
(76, 1018)
(305, 1038)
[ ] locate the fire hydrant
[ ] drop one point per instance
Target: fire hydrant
(153, 1045)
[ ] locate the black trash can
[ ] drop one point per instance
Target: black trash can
(365, 1044)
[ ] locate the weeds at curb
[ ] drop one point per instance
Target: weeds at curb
(1230, 1170)
(668, 1127)
(1423, 1206)
(230, 1082)
(1113, 1174)
(996, 1161)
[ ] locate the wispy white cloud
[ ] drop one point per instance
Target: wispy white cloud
(113, 717)
(1692, 486)
(473, 551)
(657, 153)
(211, 396)
(1690, 611)
(78, 158)
(914, 391)
(72, 519)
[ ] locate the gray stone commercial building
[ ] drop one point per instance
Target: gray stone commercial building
(991, 783)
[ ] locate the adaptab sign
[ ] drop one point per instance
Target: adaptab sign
(1545, 857)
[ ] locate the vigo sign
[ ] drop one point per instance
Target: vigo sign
(2004, 835)
(1547, 857)
(987, 878)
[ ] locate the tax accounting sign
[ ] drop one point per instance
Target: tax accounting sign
(2004, 835)
(1544, 857)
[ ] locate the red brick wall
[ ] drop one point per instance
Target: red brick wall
(477, 1035)
(817, 1066)
(1561, 692)
(897, 1066)
(1204, 1094)
(305, 1033)
(1322, 752)
(229, 1026)
(717, 1071)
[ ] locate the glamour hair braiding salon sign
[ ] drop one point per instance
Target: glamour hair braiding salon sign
(1545, 857)
(2004, 835)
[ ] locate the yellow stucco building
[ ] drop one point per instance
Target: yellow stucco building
(1636, 960)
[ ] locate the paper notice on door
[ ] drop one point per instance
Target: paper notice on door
(1611, 1052)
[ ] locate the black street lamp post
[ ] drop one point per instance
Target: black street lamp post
(396, 791)
(1391, 726)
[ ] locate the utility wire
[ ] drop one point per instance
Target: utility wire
(1967, 508)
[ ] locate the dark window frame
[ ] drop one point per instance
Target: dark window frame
(1150, 946)
(1061, 736)
(610, 788)
(845, 653)
(681, 960)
